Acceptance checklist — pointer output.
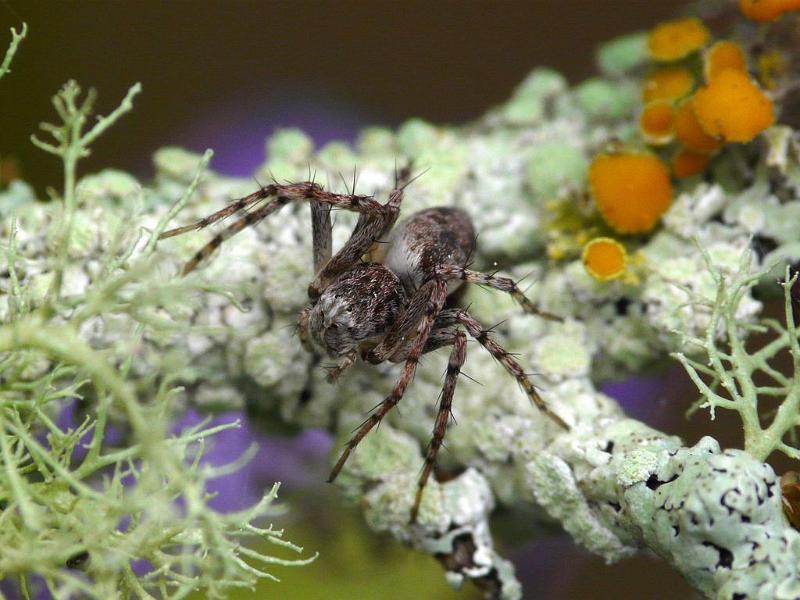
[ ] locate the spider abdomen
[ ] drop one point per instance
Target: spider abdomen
(428, 239)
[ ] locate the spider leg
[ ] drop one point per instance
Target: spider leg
(284, 194)
(434, 305)
(398, 348)
(503, 284)
(232, 229)
(303, 329)
(484, 338)
(232, 208)
(457, 357)
(401, 335)
(374, 222)
(322, 234)
(342, 364)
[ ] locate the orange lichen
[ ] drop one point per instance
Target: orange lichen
(686, 163)
(767, 10)
(672, 40)
(604, 258)
(723, 55)
(733, 107)
(656, 122)
(632, 190)
(669, 83)
(690, 133)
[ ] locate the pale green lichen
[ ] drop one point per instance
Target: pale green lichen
(606, 99)
(529, 101)
(732, 367)
(555, 168)
(623, 54)
(16, 38)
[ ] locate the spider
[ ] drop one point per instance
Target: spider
(382, 295)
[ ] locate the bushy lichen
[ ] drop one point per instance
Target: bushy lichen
(84, 303)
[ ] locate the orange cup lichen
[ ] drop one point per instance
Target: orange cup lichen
(723, 55)
(689, 131)
(632, 190)
(686, 163)
(670, 83)
(673, 40)
(656, 123)
(733, 107)
(767, 10)
(604, 258)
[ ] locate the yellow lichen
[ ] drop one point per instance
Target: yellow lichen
(670, 83)
(656, 123)
(632, 190)
(686, 163)
(604, 258)
(723, 55)
(689, 131)
(733, 107)
(767, 10)
(673, 40)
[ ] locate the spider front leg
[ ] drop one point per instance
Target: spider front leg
(504, 284)
(434, 306)
(342, 364)
(304, 329)
(392, 345)
(380, 217)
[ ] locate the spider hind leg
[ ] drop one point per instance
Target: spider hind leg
(484, 338)
(503, 284)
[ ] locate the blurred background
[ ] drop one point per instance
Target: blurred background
(225, 75)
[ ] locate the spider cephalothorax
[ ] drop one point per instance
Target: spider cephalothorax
(385, 301)
(357, 309)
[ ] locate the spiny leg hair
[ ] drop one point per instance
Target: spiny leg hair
(232, 208)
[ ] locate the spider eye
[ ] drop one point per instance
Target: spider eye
(349, 309)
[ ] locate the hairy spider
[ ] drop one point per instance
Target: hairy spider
(384, 301)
